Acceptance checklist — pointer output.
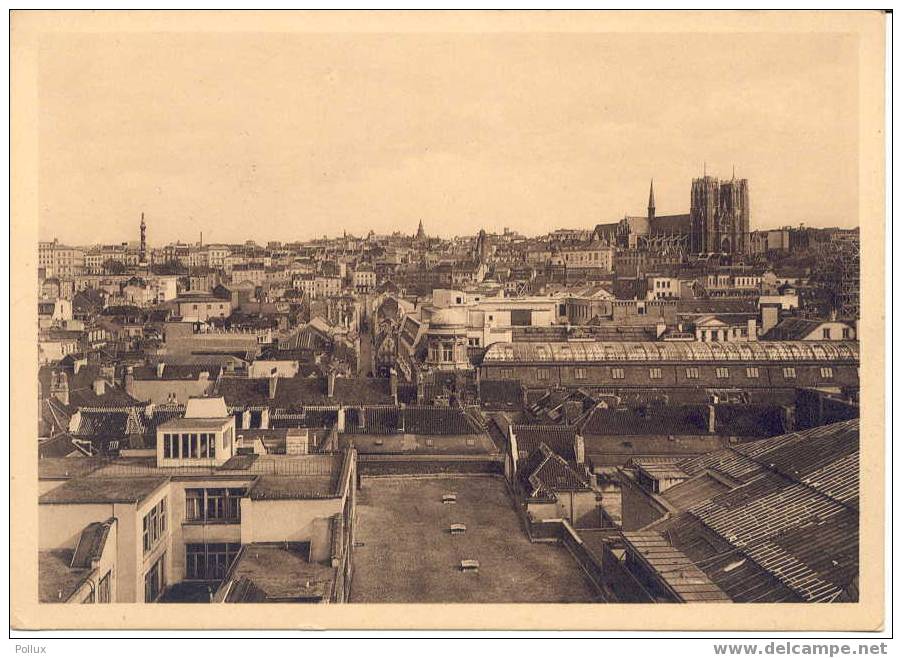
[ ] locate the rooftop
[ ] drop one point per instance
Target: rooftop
(408, 554)
(277, 572)
(57, 580)
(787, 529)
(90, 489)
(601, 352)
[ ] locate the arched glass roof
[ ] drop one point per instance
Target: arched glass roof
(585, 352)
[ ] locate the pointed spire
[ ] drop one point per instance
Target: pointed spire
(651, 194)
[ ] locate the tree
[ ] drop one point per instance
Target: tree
(113, 267)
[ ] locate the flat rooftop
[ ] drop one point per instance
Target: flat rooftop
(408, 554)
(91, 489)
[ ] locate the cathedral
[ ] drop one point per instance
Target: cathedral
(717, 222)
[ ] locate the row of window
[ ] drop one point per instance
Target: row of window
(209, 561)
(213, 505)
(189, 446)
(154, 525)
(751, 372)
(154, 581)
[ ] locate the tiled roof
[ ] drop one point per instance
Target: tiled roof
(675, 569)
(560, 439)
(109, 424)
(173, 371)
(423, 420)
(676, 420)
(792, 329)
(554, 474)
(507, 392)
(297, 392)
(793, 514)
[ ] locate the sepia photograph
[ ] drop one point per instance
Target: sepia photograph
(554, 319)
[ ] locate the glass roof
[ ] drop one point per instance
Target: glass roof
(675, 351)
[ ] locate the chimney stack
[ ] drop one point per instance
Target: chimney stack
(59, 387)
(246, 419)
(160, 367)
(393, 383)
(753, 329)
(264, 419)
(331, 383)
(712, 417)
(273, 383)
(99, 387)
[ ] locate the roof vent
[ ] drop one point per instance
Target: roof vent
(457, 528)
(449, 498)
(469, 565)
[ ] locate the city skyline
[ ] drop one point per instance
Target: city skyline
(485, 132)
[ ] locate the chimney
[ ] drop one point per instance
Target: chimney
(788, 417)
(340, 423)
(296, 441)
(712, 416)
(99, 387)
(361, 418)
(264, 419)
(160, 367)
(129, 379)
(331, 384)
(579, 447)
(59, 387)
(149, 409)
(770, 316)
(273, 383)
(393, 383)
(246, 419)
(753, 329)
(660, 328)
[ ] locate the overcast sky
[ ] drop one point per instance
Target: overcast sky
(285, 137)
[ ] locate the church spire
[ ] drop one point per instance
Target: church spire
(651, 200)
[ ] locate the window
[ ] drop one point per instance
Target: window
(751, 373)
(506, 373)
(542, 374)
(447, 352)
(209, 561)
(827, 373)
(691, 373)
(104, 590)
(579, 373)
(826, 333)
(723, 373)
(616, 373)
(654, 373)
(154, 581)
(154, 525)
(846, 334)
(789, 373)
(213, 505)
(640, 310)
